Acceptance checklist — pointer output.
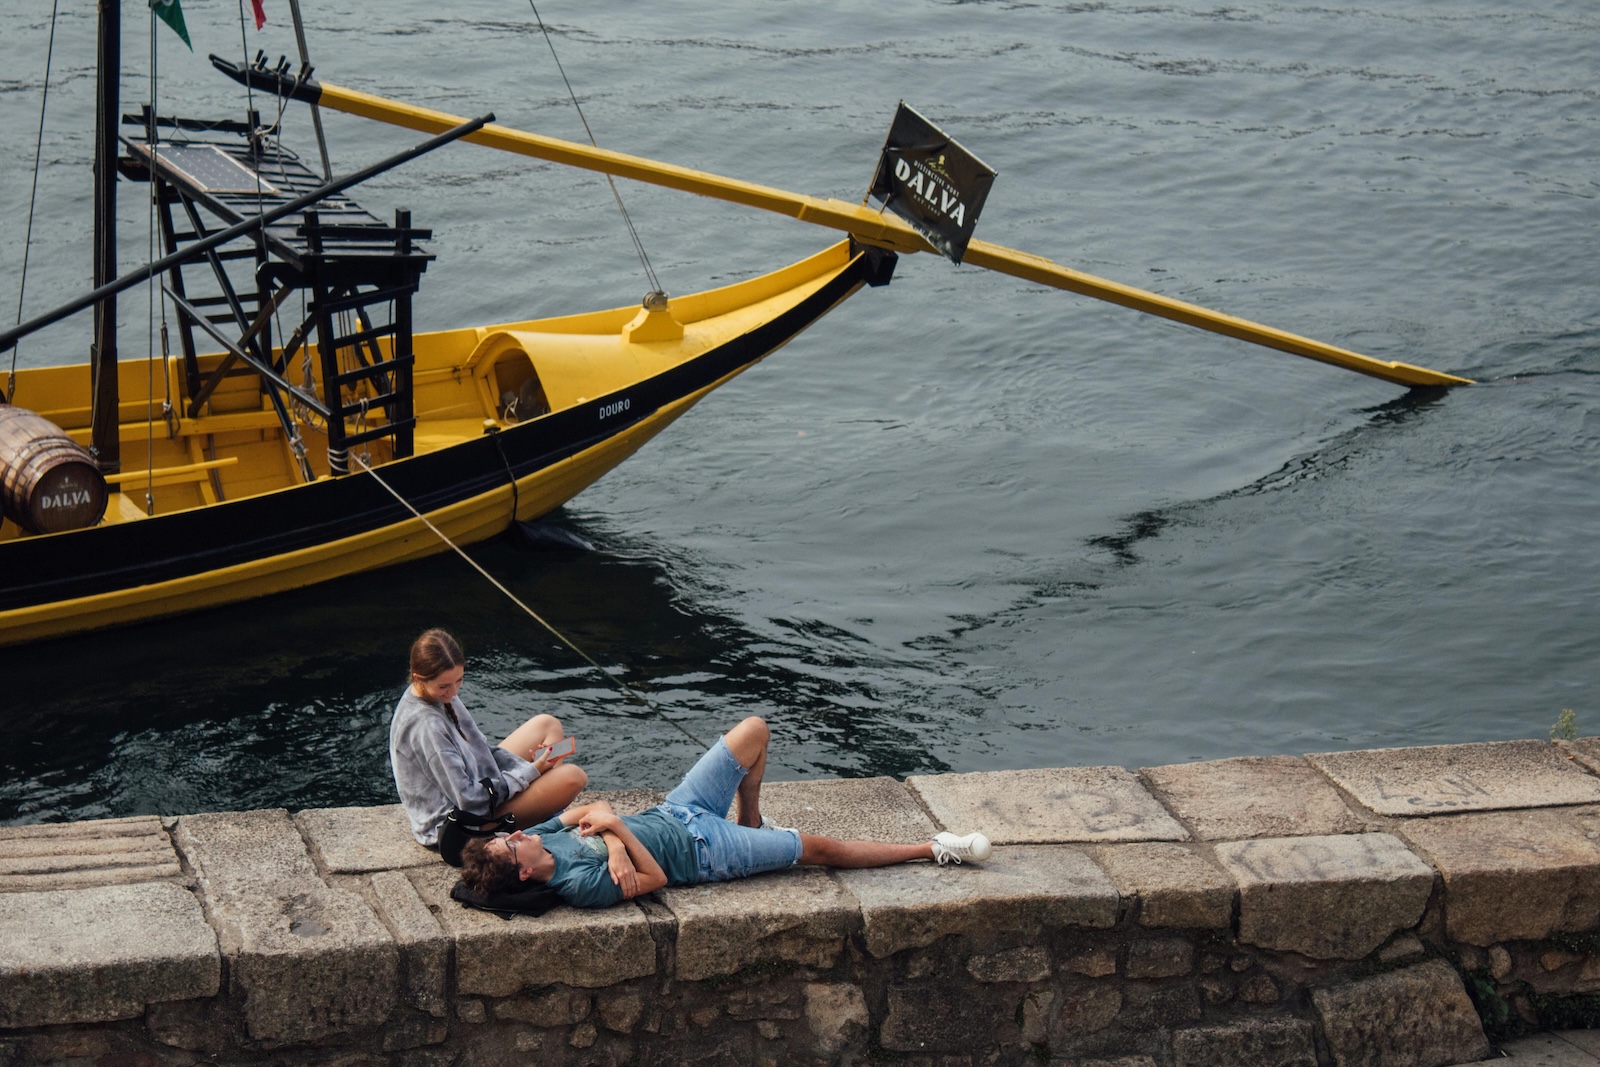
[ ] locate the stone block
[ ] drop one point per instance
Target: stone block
(941, 1017)
(1254, 796)
(757, 999)
(1159, 957)
(1336, 897)
(424, 950)
(307, 960)
(1095, 962)
(1405, 947)
(1148, 1006)
(1514, 875)
(1259, 989)
(1250, 1043)
(1029, 963)
(413, 1029)
(78, 855)
(1420, 1016)
(1446, 778)
(864, 809)
(1584, 750)
(796, 916)
(359, 840)
(495, 957)
(1072, 804)
(552, 1008)
(1025, 888)
(202, 1026)
(1586, 1040)
(1088, 1009)
(91, 955)
(620, 1010)
(425, 1057)
(1170, 885)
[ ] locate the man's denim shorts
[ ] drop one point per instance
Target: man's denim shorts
(725, 850)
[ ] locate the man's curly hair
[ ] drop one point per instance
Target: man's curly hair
(487, 873)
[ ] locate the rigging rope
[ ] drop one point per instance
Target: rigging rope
(27, 241)
(638, 245)
(626, 689)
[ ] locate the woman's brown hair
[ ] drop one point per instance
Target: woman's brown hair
(434, 653)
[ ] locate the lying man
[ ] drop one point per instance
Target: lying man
(591, 857)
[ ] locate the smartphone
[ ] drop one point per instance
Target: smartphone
(562, 748)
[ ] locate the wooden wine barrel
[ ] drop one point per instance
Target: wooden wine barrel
(48, 482)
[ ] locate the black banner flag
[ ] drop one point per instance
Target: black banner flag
(929, 180)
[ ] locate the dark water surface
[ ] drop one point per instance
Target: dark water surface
(965, 523)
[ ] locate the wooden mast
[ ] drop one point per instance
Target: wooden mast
(106, 421)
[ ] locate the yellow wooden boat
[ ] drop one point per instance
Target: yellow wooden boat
(287, 457)
(226, 514)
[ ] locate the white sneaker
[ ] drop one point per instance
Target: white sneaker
(948, 848)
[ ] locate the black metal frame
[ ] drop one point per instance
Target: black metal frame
(350, 264)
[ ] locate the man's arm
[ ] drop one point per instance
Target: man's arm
(624, 875)
(648, 873)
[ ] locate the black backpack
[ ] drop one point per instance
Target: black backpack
(531, 898)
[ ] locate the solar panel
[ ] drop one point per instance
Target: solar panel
(210, 169)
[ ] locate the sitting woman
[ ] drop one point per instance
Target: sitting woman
(442, 761)
(589, 857)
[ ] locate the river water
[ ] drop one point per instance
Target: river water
(964, 523)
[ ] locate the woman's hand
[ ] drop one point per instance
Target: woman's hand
(541, 758)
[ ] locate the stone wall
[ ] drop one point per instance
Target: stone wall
(1374, 908)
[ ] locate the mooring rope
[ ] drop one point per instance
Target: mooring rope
(626, 689)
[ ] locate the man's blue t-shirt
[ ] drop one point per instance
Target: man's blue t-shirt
(583, 874)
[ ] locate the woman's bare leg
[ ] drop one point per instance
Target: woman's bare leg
(748, 744)
(547, 794)
(531, 736)
(832, 852)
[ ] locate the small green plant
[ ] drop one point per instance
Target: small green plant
(1566, 727)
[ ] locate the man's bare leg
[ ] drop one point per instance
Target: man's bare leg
(832, 852)
(748, 743)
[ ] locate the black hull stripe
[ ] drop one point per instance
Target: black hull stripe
(106, 559)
